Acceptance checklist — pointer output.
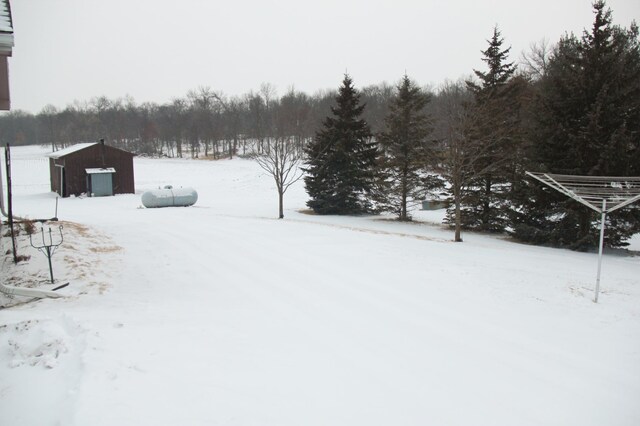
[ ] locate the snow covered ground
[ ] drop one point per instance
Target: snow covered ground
(220, 314)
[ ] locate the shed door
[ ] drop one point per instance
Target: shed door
(101, 184)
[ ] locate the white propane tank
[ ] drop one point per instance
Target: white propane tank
(170, 197)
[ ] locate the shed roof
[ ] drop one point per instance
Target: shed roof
(70, 150)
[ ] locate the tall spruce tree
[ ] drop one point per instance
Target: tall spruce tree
(341, 159)
(405, 150)
(587, 122)
(493, 133)
(499, 72)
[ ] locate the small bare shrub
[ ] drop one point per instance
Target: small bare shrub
(29, 227)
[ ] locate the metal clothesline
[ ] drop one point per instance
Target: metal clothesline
(604, 194)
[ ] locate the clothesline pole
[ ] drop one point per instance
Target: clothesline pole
(602, 221)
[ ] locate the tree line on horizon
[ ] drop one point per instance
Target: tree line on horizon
(204, 123)
(570, 108)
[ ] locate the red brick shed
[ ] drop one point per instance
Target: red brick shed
(91, 168)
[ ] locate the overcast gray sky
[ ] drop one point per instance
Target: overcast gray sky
(156, 50)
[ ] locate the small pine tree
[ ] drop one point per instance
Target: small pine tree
(341, 159)
(404, 150)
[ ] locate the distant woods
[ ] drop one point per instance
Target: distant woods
(204, 123)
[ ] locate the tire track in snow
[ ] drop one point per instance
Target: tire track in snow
(345, 227)
(374, 231)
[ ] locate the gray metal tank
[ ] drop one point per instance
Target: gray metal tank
(170, 197)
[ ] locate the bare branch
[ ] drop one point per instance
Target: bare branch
(282, 161)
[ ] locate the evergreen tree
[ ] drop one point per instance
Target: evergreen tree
(404, 150)
(500, 71)
(341, 159)
(492, 131)
(587, 122)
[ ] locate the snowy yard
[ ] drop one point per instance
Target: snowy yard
(220, 314)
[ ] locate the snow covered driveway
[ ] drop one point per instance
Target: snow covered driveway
(219, 314)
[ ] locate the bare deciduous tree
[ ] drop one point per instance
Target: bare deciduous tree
(48, 118)
(536, 61)
(282, 162)
(464, 158)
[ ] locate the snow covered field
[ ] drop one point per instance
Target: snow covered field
(220, 314)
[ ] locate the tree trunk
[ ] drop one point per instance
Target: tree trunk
(403, 207)
(486, 214)
(280, 204)
(403, 211)
(458, 216)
